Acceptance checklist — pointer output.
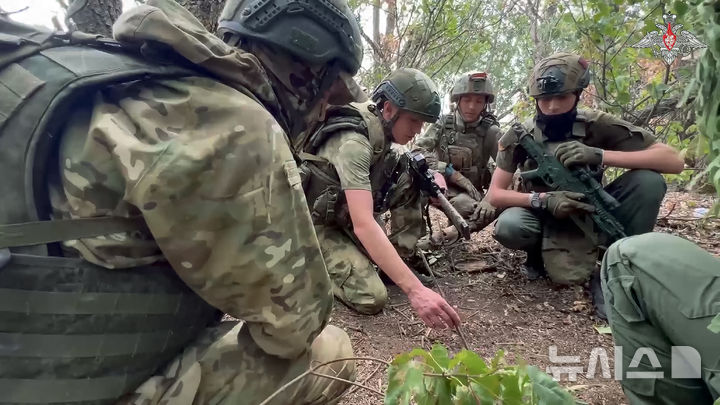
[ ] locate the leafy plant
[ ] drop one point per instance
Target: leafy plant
(434, 378)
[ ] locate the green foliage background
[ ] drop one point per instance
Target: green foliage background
(506, 37)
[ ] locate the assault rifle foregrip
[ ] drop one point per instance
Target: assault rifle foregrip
(557, 177)
(425, 180)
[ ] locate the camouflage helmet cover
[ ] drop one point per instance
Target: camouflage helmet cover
(317, 32)
(473, 83)
(558, 74)
(410, 90)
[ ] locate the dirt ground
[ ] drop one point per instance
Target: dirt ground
(502, 310)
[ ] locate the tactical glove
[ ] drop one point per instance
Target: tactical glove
(576, 153)
(463, 182)
(562, 204)
(484, 214)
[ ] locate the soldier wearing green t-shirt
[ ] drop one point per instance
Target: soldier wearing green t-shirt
(537, 220)
(352, 176)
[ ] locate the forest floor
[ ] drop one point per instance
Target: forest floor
(502, 310)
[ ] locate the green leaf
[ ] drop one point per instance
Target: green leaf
(715, 324)
(439, 355)
(471, 363)
(511, 389)
(464, 396)
(438, 391)
(623, 98)
(404, 379)
(498, 360)
(603, 330)
(680, 8)
(486, 389)
(547, 391)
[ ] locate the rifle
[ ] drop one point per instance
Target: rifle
(420, 172)
(579, 180)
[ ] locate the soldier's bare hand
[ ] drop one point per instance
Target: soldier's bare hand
(433, 309)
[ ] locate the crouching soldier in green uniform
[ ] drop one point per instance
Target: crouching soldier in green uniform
(352, 176)
(149, 187)
(460, 146)
(662, 291)
(537, 221)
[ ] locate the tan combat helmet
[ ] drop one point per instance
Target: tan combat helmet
(558, 74)
(473, 83)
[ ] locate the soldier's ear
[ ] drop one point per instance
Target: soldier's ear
(389, 110)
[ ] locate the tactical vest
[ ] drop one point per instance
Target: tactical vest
(321, 183)
(465, 149)
(71, 331)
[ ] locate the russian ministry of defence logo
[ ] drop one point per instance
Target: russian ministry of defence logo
(670, 41)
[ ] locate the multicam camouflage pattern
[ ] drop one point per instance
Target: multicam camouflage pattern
(240, 373)
(354, 277)
(208, 166)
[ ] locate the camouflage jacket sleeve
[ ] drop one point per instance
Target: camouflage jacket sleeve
(427, 144)
(212, 174)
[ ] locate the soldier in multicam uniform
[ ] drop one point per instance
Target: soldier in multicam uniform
(460, 146)
(352, 176)
(199, 160)
(538, 221)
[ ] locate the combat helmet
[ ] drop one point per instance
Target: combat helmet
(473, 83)
(317, 32)
(410, 90)
(558, 74)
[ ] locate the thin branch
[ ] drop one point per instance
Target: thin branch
(313, 370)
(353, 389)
(458, 328)
(348, 382)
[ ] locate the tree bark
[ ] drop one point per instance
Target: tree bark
(391, 19)
(207, 11)
(96, 16)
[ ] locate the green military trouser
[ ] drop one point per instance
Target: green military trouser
(639, 193)
(662, 291)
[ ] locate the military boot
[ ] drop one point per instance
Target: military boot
(415, 262)
(534, 268)
(597, 295)
(443, 237)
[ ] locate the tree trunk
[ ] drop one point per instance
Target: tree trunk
(96, 16)
(207, 11)
(391, 18)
